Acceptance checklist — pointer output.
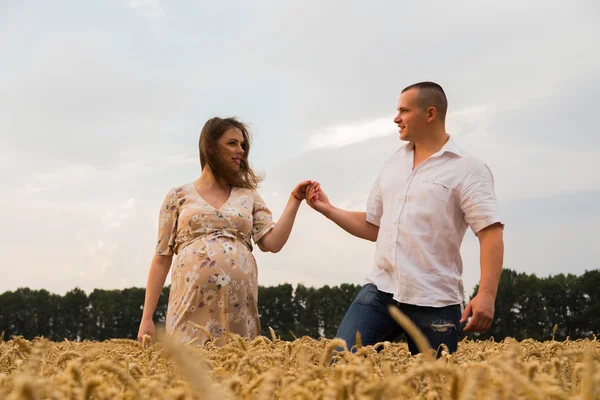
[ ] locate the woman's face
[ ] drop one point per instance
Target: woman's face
(230, 147)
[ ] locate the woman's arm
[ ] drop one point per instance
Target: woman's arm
(159, 268)
(277, 237)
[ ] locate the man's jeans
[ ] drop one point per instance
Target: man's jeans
(369, 315)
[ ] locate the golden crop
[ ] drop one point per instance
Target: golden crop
(268, 368)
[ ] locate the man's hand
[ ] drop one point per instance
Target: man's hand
(317, 199)
(482, 305)
(482, 308)
(353, 222)
(301, 190)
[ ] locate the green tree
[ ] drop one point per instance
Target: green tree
(334, 304)
(15, 316)
(29, 313)
(564, 301)
(505, 321)
(307, 319)
(104, 305)
(519, 308)
(589, 308)
(531, 312)
(129, 312)
(75, 315)
(276, 310)
(526, 307)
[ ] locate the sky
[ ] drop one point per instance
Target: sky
(102, 103)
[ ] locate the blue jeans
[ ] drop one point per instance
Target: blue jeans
(368, 314)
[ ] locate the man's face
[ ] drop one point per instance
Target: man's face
(411, 119)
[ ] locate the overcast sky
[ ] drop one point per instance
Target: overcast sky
(102, 103)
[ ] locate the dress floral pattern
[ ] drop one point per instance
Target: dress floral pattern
(214, 278)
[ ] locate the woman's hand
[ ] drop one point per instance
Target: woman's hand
(275, 239)
(146, 328)
(299, 191)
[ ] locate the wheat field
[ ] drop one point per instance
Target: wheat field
(269, 368)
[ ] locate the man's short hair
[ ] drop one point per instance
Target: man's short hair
(431, 95)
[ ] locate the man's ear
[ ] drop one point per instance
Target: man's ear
(431, 114)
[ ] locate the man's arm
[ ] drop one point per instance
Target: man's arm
(353, 222)
(478, 202)
(491, 244)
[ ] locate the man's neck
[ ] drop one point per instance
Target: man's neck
(431, 144)
(425, 148)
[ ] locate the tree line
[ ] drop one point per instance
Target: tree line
(526, 307)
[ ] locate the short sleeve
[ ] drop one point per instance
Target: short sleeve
(262, 218)
(478, 199)
(167, 224)
(375, 204)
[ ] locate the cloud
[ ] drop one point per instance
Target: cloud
(130, 203)
(7, 158)
(74, 183)
(152, 9)
(90, 102)
(344, 65)
(342, 135)
(465, 121)
(113, 219)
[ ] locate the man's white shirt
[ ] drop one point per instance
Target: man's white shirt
(423, 214)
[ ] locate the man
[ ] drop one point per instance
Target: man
(425, 197)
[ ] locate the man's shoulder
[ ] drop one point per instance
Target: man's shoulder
(471, 159)
(467, 158)
(466, 164)
(471, 166)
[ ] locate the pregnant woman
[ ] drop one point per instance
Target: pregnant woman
(209, 225)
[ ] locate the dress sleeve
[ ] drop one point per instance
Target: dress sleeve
(167, 224)
(262, 218)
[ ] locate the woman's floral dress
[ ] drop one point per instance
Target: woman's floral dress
(214, 278)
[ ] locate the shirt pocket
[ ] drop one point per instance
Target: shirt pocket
(440, 186)
(438, 195)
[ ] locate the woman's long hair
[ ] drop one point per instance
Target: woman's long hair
(209, 154)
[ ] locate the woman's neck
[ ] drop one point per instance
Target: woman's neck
(208, 181)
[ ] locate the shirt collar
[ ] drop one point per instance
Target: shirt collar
(450, 146)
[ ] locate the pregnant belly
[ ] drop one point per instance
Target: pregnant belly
(217, 259)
